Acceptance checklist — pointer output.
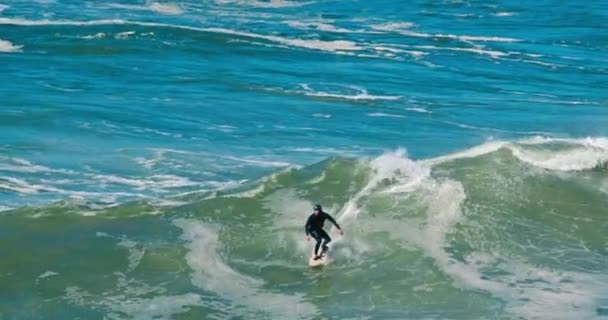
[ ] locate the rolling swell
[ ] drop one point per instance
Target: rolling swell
(518, 225)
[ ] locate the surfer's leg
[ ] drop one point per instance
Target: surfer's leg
(317, 245)
(318, 238)
(326, 241)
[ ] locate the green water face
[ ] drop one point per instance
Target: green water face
(486, 237)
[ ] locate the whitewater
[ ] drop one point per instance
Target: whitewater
(158, 159)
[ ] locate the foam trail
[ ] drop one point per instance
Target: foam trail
(385, 115)
(166, 8)
(419, 110)
(23, 187)
(260, 163)
(163, 8)
(492, 53)
(46, 22)
(157, 307)
(504, 14)
(9, 47)
(159, 181)
(542, 294)
(323, 45)
(22, 165)
(361, 94)
(45, 275)
(211, 273)
(403, 29)
(265, 4)
(136, 308)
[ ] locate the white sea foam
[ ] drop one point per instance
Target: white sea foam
(485, 148)
(22, 165)
(158, 307)
(335, 46)
(394, 51)
(223, 128)
(166, 8)
(323, 45)
(404, 29)
(393, 26)
(213, 274)
(583, 155)
(130, 304)
(98, 35)
(23, 187)
(265, 4)
(492, 53)
(124, 35)
(258, 162)
(393, 168)
(46, 274)
(504, 14)
(163, 8)
(357, 97)
(476, 38)
(9, 47)
(358, 94)
(158, 181)
(419, 110)
(317, 25)
(528, 291)
(385, 115)
(46, 22)
(159, 155)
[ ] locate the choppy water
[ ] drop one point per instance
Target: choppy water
(158, 160)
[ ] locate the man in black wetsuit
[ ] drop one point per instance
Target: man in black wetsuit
(314, 228)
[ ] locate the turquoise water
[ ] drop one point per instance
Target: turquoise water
(158, 159)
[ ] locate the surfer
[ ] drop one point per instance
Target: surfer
(314, 228)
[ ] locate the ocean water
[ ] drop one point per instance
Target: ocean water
(158, 159)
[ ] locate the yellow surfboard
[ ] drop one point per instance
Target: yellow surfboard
(319, 262)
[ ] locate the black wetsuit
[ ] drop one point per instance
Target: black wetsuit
(314, 228)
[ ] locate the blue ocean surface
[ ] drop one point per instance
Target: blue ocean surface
(158, 160)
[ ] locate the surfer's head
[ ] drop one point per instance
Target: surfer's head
(317, 208)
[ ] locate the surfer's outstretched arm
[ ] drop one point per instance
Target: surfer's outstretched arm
(332, 220)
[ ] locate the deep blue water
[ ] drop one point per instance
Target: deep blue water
(92, 87)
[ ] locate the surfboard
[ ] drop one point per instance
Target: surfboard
(317, 263)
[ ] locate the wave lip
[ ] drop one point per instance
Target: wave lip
(582, 154)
